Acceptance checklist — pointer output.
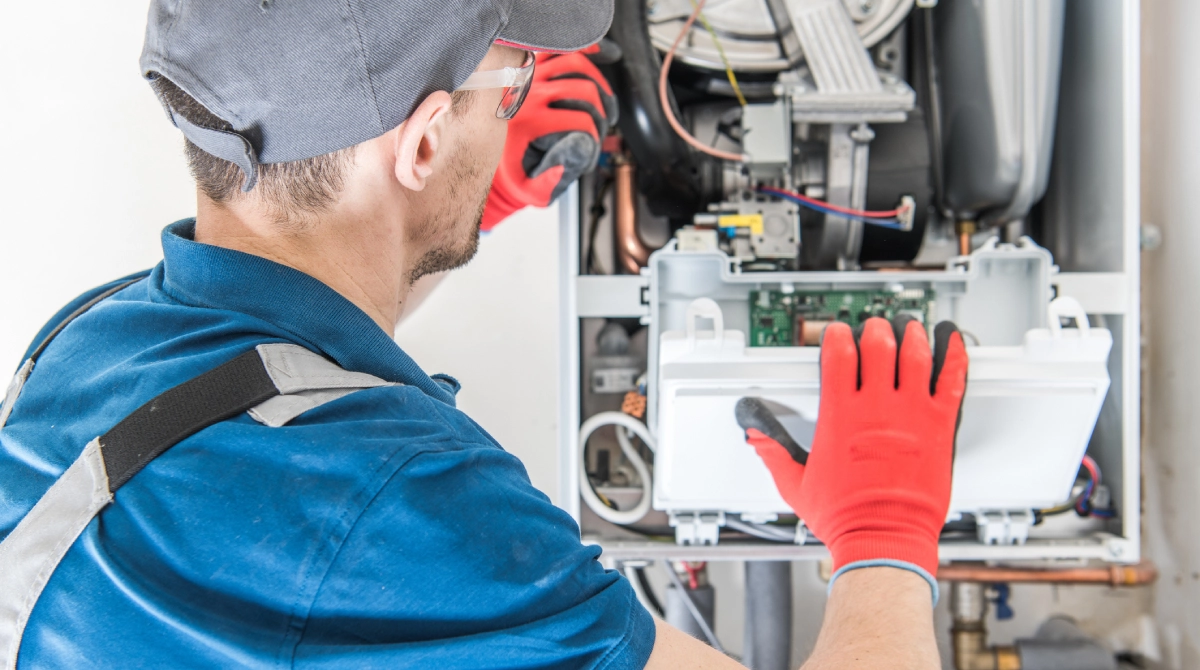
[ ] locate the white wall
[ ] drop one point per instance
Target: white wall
(493, 325)
(91, 171)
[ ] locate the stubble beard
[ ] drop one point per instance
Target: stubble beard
(458, 242)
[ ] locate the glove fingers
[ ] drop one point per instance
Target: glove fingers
(557, 65)
(586, 95)
(916, 360)
(604, 52)
(839, 360)
(556, 120)
(877, 351)
(598, 121)
(607, 102)
(949, 362)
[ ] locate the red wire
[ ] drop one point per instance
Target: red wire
(879, 214)
(693, 570)
(666, 101)
(1090, 464)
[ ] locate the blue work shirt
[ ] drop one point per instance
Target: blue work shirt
(384, 529)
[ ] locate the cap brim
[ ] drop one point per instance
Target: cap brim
(556, 25)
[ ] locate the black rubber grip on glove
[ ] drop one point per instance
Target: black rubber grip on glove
(941, 345)
(754, 413)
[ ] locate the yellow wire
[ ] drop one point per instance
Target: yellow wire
(737, 91)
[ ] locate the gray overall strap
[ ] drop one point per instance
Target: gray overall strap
(273, 382)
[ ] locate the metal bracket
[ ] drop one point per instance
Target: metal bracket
(1003, 526)
(697, 528)
(839, 83)
(612, 296)
(1121, 550)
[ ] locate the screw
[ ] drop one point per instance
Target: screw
(1150, 237)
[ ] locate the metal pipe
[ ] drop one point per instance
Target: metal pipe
(968, 606)
(1060, 645)
(632, 252)
(692, 611)
(1112, 575)
(676, 181)
(768, 638)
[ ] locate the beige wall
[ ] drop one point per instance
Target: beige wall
(1171, 290)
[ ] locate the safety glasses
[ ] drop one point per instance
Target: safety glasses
(514, 80)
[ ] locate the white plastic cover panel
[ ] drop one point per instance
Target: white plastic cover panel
(1027, 416)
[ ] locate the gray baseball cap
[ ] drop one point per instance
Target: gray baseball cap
(301, 78)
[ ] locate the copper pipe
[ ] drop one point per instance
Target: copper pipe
(1113, 575)
(632, 252)
(965, 230)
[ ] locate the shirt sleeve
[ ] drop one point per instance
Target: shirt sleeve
(459, 562)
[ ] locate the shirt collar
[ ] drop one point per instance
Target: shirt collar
(319, 317)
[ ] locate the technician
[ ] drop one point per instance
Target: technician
(228, 462)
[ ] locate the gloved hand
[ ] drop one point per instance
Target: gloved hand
(554, 138)
(875, 487)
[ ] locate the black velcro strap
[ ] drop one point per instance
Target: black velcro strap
(178, 413)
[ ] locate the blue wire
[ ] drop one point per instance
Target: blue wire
(891, 222)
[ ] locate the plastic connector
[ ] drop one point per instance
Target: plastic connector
(905, 212)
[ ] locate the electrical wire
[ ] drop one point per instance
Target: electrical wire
(1081, 503)
(884, 218)
(621, 420)
(692, 608)
(762, 531)
(1083, 506)
(737, 90)
(665, 99)
(693, 571)
(934, 105)
(641, 586)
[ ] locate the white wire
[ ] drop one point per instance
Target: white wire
(621, 420)
(761, 530)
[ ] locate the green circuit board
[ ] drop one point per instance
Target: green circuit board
(790, 319)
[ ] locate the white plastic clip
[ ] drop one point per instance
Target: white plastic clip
(697, 528)
(1067, 307)
(1003, 527)
(704, 308)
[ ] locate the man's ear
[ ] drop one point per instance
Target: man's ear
(419, 139)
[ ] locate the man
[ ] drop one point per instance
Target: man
(364, 521)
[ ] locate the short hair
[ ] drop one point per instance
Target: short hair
(293, 188)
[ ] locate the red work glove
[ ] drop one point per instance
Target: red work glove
(876, 486)
(554, 138)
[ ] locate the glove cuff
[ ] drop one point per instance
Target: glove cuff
(888, 563)
(906, 546)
